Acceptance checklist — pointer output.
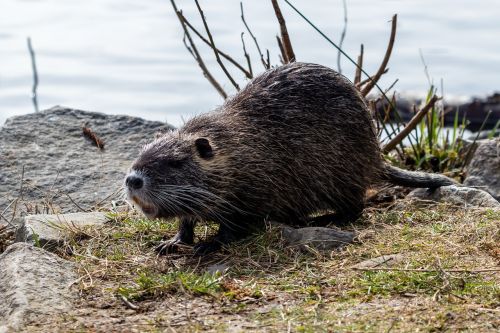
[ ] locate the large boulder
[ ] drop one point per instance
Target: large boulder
(483, 170)
(457, 195)
(48, 165)
(33, 284)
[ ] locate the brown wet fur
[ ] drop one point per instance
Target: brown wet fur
(297, 140)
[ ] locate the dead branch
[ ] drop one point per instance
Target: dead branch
(368, 79)
(357, 76)
(196, 55)
(284, 59)
(89, 134)
(290, 55)
(472, 271)
(342, 36)
(247, 57)
(411, 125)
(391, 86)
(384, 63)
(34, 96)
(266, 65)
(212, 43)
(226, 56)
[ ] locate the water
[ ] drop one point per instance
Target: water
(127, 57)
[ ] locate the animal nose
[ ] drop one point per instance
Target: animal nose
(134, 182)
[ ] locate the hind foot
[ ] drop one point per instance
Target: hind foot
(225, 236)
(185, 236)
(337, 219)
(203, 248)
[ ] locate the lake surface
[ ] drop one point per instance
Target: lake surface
(127, 57)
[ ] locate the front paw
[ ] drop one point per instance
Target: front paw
(204, 248)
(170, 246)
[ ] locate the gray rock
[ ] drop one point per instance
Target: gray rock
(484, 169)
(51, 230)
(49, 152)
(217, 268)
(33, 283)
(319, 238)
(457, 195)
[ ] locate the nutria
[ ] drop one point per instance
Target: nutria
(296, 141)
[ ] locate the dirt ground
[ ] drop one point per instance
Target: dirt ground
(441, 274)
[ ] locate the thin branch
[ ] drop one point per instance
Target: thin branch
(342, 36)
(284, 59)
(219, 61)
(332, 43)
(226, 56)
(484, 270)
(284, 32)
(196, 55)
(411, 125)
(357, 76)
(391, 86)
(368, 79)
(387, 56)
(75, 203)
(266, 65)
(247, 57)
(34, 96)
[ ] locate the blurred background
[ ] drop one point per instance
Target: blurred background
(127, 57)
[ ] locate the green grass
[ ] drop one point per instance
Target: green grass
(151, 284)
(270, 286)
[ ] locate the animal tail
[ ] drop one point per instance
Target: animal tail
(407, 178)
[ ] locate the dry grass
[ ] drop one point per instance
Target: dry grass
(6, 236)
(262, 285)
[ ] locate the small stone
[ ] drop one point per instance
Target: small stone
(319, 238)
(33, 283)
(484, 169)
(51, 230)
(217, 268)
(380, 262)
(456, 195)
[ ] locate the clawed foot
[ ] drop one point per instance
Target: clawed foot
(204, 248)
(201, 249)
(170, 246)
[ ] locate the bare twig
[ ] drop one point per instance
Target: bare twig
(387, 56)
(357, 76)
(368, 79)
(411, 125)
(391, 86)
(283, 57)
(89, 134)
(6, 220)
(226, 56)
(74, 203)
(34, 96)
(266, 65)
(284, 32)
(128, 304)
(247, 56)
(469, 151)
(342, 36)
(196, 54)
(484, 270)
(214, 48)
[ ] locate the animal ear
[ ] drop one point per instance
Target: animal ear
(204, 148)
